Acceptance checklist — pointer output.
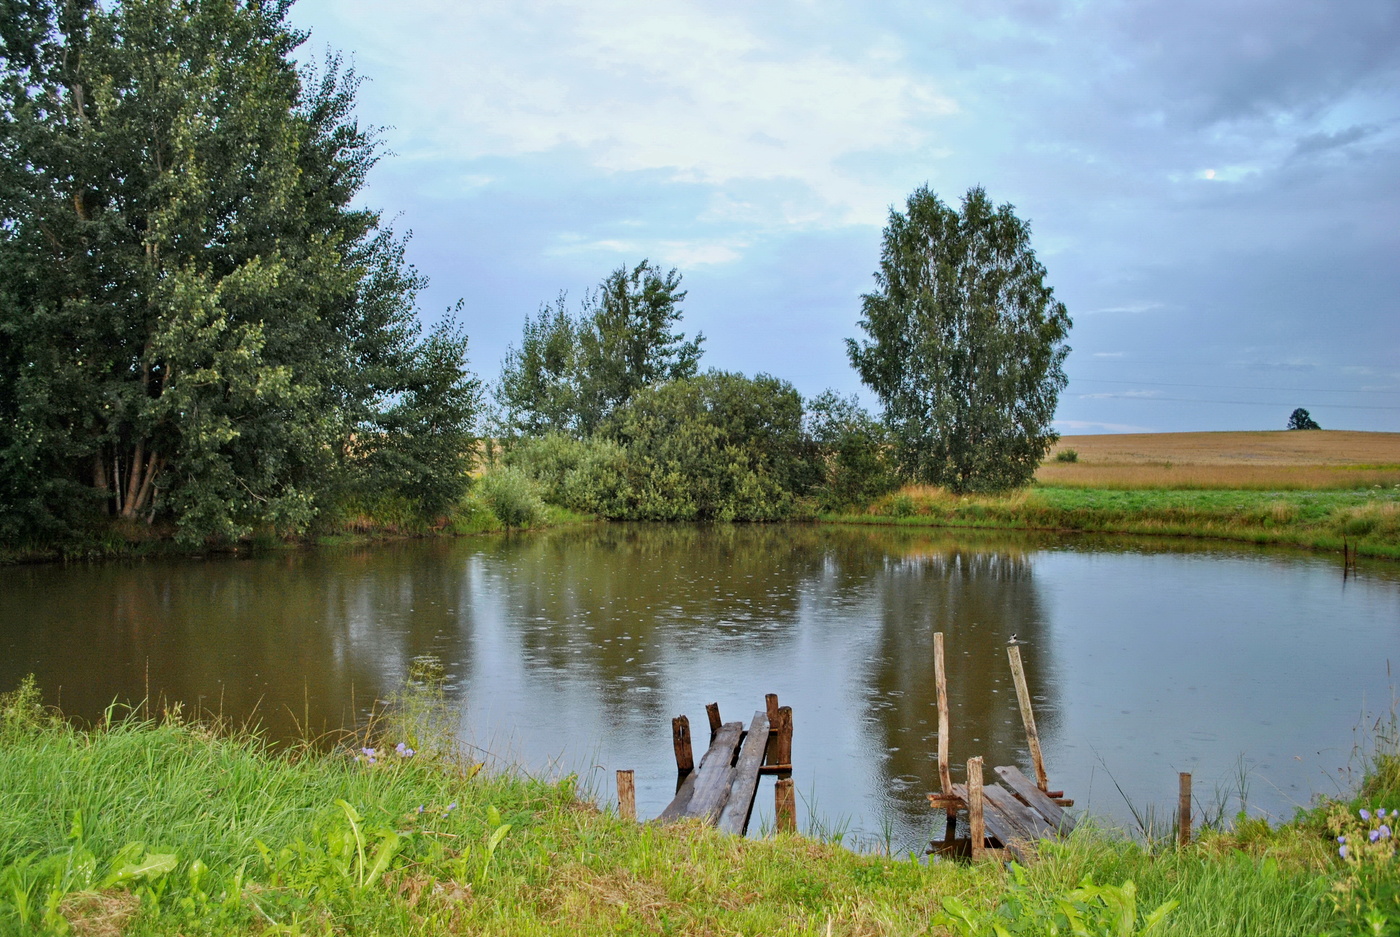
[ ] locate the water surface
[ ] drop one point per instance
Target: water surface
(571, 650)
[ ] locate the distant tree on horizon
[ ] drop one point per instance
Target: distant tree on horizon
(1301, 419)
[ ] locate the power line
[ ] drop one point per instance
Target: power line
(1300, 390)
(1242, 403)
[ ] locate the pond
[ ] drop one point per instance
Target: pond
(570, 650)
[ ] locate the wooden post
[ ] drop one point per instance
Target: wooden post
(945, 777)
(1183, 809)
(771, 756)
(784, 733)
(785, 806)
(977, 827)
(626, 795)
(680, 739)
(712, 710)
(1023, 696)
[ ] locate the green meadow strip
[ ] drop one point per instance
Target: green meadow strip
(166, 827)
(1366, 521)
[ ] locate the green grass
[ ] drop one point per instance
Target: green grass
(165, 827)
(1367, 520)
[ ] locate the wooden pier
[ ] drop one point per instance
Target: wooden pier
(722, 788)
(1001, 820)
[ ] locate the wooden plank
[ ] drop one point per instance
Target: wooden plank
(1028, 825)
(1029, 794)
(739, 807)
(712, 710)
(1023, 696)
(945, 777)
(995, 824)
(709, 784)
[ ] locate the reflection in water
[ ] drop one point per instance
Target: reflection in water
(577, 646)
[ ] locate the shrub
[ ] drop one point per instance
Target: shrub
(1067, 455)
(513, 497)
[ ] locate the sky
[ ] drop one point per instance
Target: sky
(1212, 187)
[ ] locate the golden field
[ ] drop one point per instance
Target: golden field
(1282, 459)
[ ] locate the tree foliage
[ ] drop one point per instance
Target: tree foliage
(1302, 419)
(717, 446)
(194, 321)
(571, 373)
(853, 449)
(964, 344)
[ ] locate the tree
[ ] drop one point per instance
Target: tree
(852, 447)
(570, 373)
(965, 344)
(1301, 419)
(718, 446)
(196, 323)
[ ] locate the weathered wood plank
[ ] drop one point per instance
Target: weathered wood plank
(940, 678)
(1028, 825)
(994, 821)
(1026, 792)
(1023, 697)
(704, 792)
(785, 806)
(976, 807)
(739, 807)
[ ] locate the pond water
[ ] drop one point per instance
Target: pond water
(570, 651)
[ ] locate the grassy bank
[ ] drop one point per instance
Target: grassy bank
(1366, 520)
(170, 828)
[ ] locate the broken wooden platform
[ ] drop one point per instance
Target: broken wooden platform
(1008, 819)
(722, 788)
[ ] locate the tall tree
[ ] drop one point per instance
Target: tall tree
(570, 373)
(195, 321)
(965, 343)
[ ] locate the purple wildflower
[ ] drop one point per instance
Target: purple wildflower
(1381, 813)
(420, 808)
(1365, 814)
(1341, 839)
(1342, 852)
(404, 751)
(452, 806)
(1375, 835)
(1384, 831)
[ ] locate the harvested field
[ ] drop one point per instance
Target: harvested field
(1311, 459)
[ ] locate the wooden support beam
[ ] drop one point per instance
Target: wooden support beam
(785, 806)
(680, 741)
(739, 807)
(1023, 696)
(1183, 809)
(945, 777)
(626, 795)
(976, 822)
(712, 710)
(783, 753)
(771, 702)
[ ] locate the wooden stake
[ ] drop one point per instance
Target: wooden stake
(712, 710)
(784, 733)
(1023, 696)
(785, 806)
(945, 777)
(977, 827)
(626, 795)
(771, 757)
(680, 739)
(1183, 809)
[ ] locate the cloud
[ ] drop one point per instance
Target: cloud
(1084, 426)
(1127, 308)
(1322, 141)
(685, 88)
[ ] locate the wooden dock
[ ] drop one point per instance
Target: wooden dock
(722, 788)
(1001, 820)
